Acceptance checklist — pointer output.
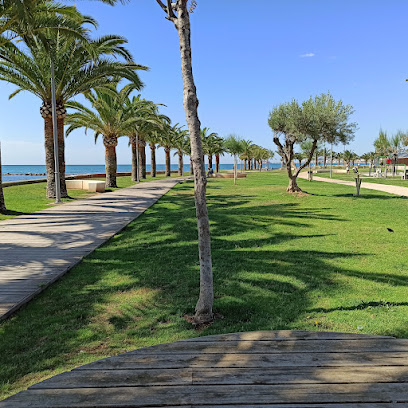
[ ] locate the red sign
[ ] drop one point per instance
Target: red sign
(388, 161)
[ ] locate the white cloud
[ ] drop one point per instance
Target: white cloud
(308, 55)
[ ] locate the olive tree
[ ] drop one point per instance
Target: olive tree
(319, 119)
(178, 12)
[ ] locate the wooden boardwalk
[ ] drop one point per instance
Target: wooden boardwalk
(275, 369)
(38, 248)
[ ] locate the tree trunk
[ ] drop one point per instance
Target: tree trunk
(153, 160)
(204, 305)
(191, 166)
(3, 208)
(110, 160)
(293, 186)
(235, 169)
(132, 141)
(168, 164)
(217, 163)
(180, 163)
(142, 158)
(49, 155)
(210, 162)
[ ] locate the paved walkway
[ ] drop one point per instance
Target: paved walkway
(271, 369)
(386, 188)
(38, 248)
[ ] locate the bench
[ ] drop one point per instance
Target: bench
(92, 186)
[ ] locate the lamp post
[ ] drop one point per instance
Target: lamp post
(55, 131)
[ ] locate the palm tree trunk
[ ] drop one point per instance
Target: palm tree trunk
(210, 161)
(153, 160)
(132, 141)
(217, 163)
(3, 208)
(168, 164)
(180, 163)
(49, 156)
(142, 158)
(110, 144)
(191, 165)
(203, 309)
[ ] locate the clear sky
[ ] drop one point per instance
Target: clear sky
(248, 56)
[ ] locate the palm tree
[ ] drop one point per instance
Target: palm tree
(208, 140)
(182, 144)
(299, 157)
(219, 150)
(148, 121)
(32, 19)
(233, 145)
(108, 119)
(168, 139)
(382, 144)
(338, 156)
(28, 20)
(247, 152)
(395, 145)
(348, 157)
(153, 140)
(371, 158)
(78, 68)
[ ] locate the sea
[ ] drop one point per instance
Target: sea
(29, 172)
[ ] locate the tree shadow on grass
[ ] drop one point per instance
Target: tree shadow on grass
(133, 291)
(362, 196)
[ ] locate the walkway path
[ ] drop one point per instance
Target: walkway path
(386, 188)
(272, 369)
(38, 248)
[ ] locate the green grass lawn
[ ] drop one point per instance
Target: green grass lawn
(321, 262)
(394, 181)
(28, 198)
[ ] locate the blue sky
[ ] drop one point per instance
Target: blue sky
(247, 57)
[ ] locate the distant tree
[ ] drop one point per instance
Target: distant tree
(182, 145)
(348, 157)
(247, 153)
(168, 139)
(178, 13)
(382, 144)
(318, 119)
(299, 157)
(338, 157)
(153, 140)
(233, 145)
(107, 118)
(395, 146)
(219, 150)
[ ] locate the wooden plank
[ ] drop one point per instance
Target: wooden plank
(132, 361)
(300, 375)
(117, 378)
(211, 395)
(287, 346)
(283, 335)
(222, 376)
